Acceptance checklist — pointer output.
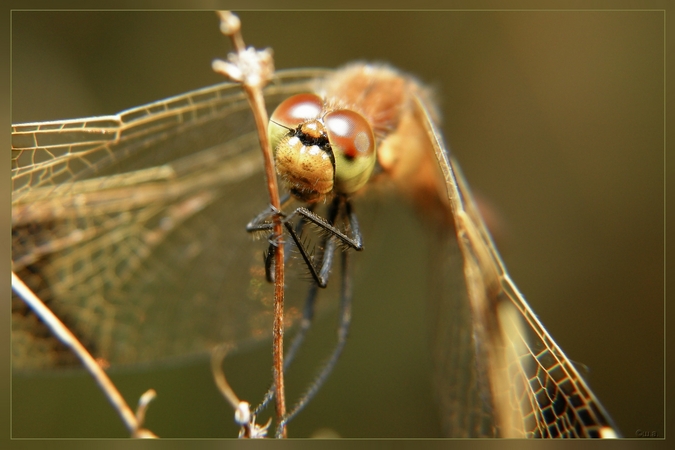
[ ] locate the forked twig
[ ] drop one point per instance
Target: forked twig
(133, 422)
(242, 410)
(143, 404)
(253, 69)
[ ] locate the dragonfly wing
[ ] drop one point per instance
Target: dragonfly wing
(132, 227)
(460, 387)
(521, 383)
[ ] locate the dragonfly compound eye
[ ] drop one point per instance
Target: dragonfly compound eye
(353, 143)
(291, 113)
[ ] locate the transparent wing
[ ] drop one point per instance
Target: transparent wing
(505, 377)
(130, 226)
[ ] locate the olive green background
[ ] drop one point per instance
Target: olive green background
(557, 119)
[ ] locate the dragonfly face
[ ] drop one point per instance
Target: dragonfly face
(318, 152)
(456, 138)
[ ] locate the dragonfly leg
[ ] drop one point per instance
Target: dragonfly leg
(320, 275)
(343, 331)
(340, 203)
(262, 222)
(298, 339)
(340, 207)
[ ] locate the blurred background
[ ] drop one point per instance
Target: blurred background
(557, 120)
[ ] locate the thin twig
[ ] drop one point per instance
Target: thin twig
(253, 69)
(143, 404)
(69, 340)
(242, 410)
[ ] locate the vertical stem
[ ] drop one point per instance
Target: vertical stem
(278, 330)
(253, 71)
(257, 103)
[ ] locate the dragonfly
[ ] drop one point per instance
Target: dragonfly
(109, 208)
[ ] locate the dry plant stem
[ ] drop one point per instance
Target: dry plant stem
(242, 409)
(278, 329)
(231, 27)
(64, 335)
(257, 103)
(217, 357)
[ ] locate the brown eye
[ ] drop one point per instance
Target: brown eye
(297, 109)
(349, 133)
(353, 144)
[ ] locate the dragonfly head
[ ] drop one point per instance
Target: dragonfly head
(319, 152)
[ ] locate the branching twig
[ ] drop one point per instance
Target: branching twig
(253, 69)
(131, 421)
(242, 410)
